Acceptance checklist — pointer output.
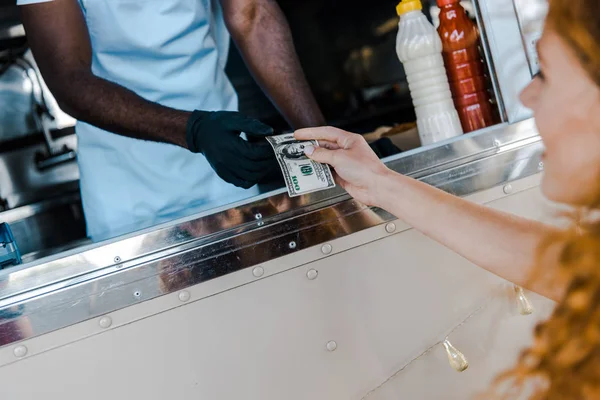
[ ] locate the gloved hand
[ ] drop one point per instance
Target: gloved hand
(217, 136)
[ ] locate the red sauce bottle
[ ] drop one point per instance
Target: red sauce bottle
(465, 67)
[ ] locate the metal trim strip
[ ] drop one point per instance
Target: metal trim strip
(102, 279)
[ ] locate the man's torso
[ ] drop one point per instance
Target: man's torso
(172, 52)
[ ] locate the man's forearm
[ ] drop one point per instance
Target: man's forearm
(116, 109)
(263, 36)
(59, 38)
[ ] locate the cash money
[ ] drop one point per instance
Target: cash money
(302, 175)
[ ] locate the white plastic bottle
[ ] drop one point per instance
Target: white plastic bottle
(420, 50)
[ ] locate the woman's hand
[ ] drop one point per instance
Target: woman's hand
(359, 170)
(501, 243)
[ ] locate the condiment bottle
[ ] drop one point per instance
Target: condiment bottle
(465, 67)
(420, 50)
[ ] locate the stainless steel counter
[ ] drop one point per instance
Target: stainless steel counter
(49, 294)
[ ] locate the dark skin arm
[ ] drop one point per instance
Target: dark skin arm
(261, 32)
(65, 62)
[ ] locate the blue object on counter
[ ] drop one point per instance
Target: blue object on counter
(9, 252)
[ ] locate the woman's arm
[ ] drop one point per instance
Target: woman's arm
(504, 244)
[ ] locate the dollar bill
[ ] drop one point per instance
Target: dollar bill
(302, 175)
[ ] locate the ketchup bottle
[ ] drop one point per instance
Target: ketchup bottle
(465, 67)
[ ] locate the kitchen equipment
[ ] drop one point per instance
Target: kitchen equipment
(9, 251)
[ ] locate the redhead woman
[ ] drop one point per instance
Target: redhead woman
(564, 362)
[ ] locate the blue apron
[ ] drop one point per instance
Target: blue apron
(172, 52)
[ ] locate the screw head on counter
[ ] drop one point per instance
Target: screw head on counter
(184, 296)
(390, 228)
(258, 272)
(331, 346)
(20, 351)
(326, 249)
(105, 322)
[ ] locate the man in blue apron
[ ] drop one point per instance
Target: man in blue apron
(133, 71)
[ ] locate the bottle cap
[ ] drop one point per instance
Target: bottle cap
(442, 3)
(409, 5)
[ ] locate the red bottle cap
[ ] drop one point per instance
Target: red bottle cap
(442, 3)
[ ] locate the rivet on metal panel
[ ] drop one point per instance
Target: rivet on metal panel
(137, 294)
(331, 346)
(497, 143)
(541, 166)
(184, 296)
(312, 274)
(20, 351)
(292, 245)
(105, 322)
(326, 249)
(457, 360)
(258, 272)
(258, 216)
(390, 228)
(117, 259)
(508, 189)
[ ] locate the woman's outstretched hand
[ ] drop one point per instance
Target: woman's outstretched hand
(503, 244)
(359, 170)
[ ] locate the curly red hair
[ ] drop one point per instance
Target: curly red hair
(564, 361)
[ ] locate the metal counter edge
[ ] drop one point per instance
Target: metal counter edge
(219, 242)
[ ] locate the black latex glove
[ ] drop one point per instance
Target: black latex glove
(217, 136)
(384, 148)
